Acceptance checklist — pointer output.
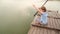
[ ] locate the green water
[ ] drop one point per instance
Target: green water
(16, 16)
(14, 20)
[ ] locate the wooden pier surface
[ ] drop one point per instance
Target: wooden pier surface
(53, 26)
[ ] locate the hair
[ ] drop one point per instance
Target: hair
(43, 8)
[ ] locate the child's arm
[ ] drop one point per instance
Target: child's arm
(37, 9)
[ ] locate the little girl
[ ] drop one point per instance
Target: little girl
(43, 18)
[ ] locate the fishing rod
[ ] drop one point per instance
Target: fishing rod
(42, 5)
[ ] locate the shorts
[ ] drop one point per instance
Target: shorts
(39, 21)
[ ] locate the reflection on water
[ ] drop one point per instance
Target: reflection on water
(16, 15)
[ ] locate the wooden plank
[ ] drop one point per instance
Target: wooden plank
(54, 21)
(41, 31)
(59, 32)
(38, 30)
(58, 15)
(31, 30)
(53, 32)
(45, 31)
(54, 26)
(56, 32)
(57, 22)
(53, 15)
(35, 30)
(49, 31)
(51, 23)
(49, 14)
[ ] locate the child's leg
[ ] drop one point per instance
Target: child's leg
(43, 23)
(37, 19)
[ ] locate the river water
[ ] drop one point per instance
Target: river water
(16, 15)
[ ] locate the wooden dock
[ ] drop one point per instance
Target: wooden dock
(53, 26)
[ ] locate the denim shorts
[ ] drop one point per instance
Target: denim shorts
(38, 20)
